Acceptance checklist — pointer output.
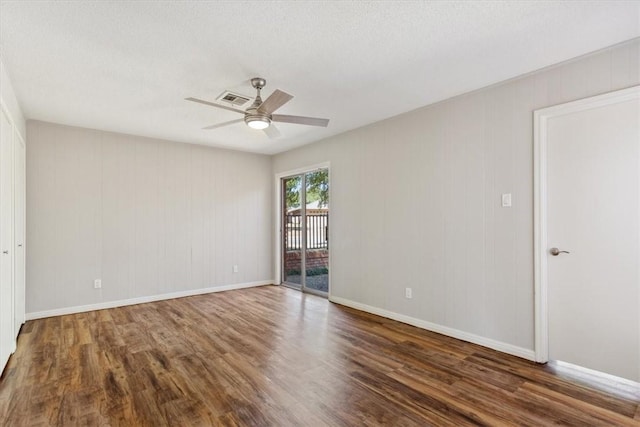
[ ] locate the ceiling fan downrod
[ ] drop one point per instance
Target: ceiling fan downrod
(254, 118)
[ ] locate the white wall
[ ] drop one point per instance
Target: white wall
(147, 216)
(416, 202)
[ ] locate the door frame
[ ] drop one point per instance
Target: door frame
(19, 247)
(540, 122)
(278, 232)
(13, 131)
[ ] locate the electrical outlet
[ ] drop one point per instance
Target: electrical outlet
(235, 268)
(408, 293)
(97, 284)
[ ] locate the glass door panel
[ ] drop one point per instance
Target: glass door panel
(292, 231)
(316, 221)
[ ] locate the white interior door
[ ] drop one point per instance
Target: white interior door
(19, 230)
(6, 240)
(593, 212)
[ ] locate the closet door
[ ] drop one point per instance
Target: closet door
(7, 337)
(19, 230)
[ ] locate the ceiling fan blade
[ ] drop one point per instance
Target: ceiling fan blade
(201, 101)
(311, 121)
(219, 125)
(272, 131)
(276, 100)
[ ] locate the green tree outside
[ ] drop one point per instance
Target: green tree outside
(317, 189)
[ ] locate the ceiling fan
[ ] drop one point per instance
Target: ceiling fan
(260, 114)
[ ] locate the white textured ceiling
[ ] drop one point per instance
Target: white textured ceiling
(127, 66)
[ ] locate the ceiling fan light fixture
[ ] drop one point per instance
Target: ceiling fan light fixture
(257, 122)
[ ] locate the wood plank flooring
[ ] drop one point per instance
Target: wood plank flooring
(272, 356)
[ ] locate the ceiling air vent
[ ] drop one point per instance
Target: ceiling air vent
(235, 99)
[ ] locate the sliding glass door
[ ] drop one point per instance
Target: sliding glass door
(305, 231)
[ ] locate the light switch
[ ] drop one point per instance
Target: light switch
(506, 200)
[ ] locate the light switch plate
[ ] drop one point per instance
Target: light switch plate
(506, 200)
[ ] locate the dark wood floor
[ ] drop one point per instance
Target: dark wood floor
(271, 356)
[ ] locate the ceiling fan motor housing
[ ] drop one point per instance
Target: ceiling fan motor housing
(257, 120)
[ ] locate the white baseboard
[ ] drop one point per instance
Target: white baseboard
(444, 330)
(142, 300)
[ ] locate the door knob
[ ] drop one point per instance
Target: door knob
(556, 251)
(5, 252)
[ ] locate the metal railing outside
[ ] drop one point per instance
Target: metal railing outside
(317, 231)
